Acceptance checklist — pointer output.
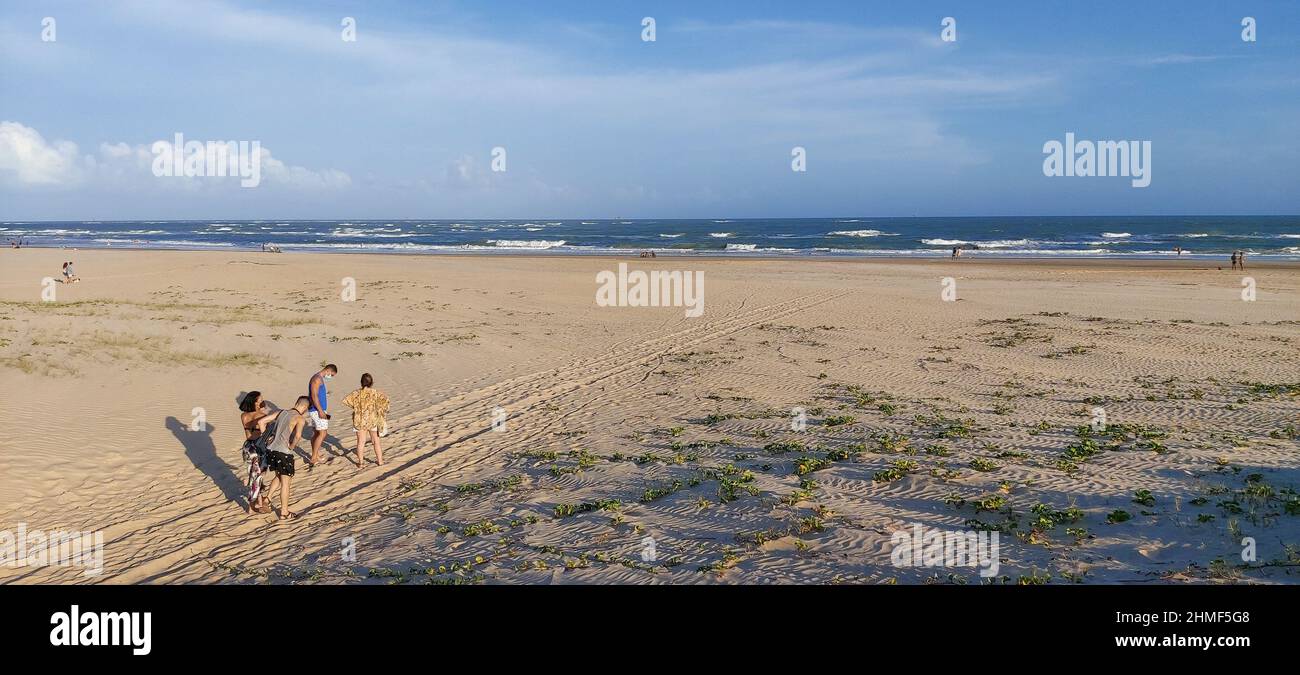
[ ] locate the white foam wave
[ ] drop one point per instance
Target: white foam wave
(860, 233)
(993, 243)
(520, 243)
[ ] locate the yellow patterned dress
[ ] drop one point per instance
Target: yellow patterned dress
(369, 408)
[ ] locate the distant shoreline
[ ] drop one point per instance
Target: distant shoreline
(1152, 238)
(1204, 261)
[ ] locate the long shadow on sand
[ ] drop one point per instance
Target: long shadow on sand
(202, 452)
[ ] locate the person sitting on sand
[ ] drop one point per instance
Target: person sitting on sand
(279, 449)
(369, 408)
(318, 413)
(70, 276)
(252, 409)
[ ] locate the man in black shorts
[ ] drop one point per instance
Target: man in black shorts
(279, 450)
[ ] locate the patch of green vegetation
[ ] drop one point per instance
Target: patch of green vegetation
(480, 528)
(1082, 450)
(782, 447)
(891, 443)
(991, 503)
(942, 426)
(808, 464)
(897, 470)
(845, 453)
(1047, 518)
(650, 494)
(566, 510)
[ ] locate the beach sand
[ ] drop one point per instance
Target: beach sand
(626, 423)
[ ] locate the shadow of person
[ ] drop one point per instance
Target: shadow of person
(202, 452)
(330, 448)
(331, 439)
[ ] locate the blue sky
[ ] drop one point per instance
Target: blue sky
(597, 123)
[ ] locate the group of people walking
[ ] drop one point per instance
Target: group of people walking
(271, 436)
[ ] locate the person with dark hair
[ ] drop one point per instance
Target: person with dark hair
(369, 409)
(253, 409)
(318, 412)
(279, 443)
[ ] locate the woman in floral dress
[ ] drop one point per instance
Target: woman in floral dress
(369, 409)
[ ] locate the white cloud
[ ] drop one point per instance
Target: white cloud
(277, 172)
(27, 160)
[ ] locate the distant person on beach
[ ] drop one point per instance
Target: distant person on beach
(369, 408)
(279, 445)
(956, 251)
(69, 276)
(1241, 260)
(252, 409)
(318, 413)
(1179, 251)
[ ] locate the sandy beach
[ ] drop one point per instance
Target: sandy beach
(624, 424)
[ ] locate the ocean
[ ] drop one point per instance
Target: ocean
(1026, 237)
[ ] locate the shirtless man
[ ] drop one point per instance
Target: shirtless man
(279, 451)
(318, 411)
